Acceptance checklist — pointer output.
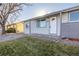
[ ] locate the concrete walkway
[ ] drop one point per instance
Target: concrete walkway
(55, 39)
(11, 36)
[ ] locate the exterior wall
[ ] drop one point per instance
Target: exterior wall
(65, 19)
(35, 29)
(10, 26)
(19, 27)
(70, 30)
(38, 30)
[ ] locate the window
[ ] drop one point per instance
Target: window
(41, 23)
(74, 16)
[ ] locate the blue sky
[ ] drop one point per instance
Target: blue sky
(32, 11)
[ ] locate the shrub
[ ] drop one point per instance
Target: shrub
(11, 30)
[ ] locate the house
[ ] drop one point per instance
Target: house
(18, 26)
(63, 23)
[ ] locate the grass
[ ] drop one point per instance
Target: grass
(35, 47)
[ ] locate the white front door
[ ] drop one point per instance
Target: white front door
(53, 25)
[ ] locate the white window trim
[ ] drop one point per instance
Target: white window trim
(69, 16)
(45, 26)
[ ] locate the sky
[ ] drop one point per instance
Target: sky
(38, 9)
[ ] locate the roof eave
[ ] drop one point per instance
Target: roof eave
(53, 13)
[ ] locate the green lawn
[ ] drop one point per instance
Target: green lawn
(32, 46)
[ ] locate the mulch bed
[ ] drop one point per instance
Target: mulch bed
(71, 39)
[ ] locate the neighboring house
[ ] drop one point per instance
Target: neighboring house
(18, 26)
(63, 23)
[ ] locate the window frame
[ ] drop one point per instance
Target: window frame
(69, 16)
(38, 24)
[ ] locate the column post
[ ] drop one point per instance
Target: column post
(60, 24)
(49, 25)
(30, 27)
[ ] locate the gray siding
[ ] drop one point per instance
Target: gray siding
(70, 29)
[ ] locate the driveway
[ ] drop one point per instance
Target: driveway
(11, 36)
